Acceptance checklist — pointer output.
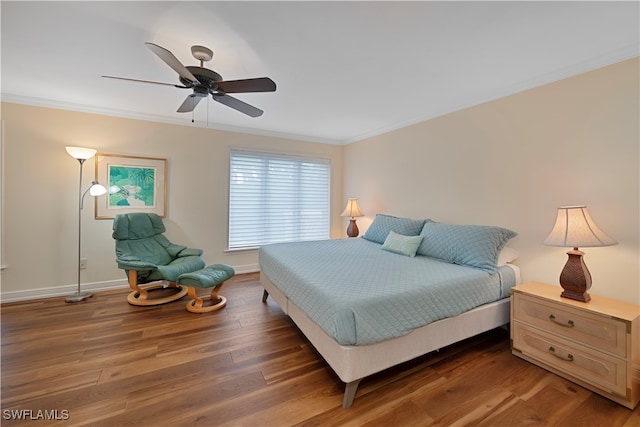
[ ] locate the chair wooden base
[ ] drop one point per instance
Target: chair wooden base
(140, 294)
(207, 303)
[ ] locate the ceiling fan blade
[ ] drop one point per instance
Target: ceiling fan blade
(190, 103)
(236, 104)
(143, 81)
(172, 61)
(260, 84)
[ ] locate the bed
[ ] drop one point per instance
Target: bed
(406, 288)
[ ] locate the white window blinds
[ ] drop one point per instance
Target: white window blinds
(277, 198)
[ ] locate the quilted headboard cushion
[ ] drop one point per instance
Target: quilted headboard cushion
(471, 245)
(383, 224)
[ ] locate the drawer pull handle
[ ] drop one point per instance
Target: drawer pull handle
(569, 323)
(568, 358)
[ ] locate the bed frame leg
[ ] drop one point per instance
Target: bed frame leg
(349, 393)
(265, 295)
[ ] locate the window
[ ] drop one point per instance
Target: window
(277, 198)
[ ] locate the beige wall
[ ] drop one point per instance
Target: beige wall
(41, 191)
(512, 162)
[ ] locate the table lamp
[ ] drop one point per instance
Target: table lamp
(352, 210)
(575, 228)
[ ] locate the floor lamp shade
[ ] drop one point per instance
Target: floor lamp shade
(352, 210)
(96, 189)
(81, 153)
(575, 228)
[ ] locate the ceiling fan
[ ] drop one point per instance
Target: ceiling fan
(203, 82)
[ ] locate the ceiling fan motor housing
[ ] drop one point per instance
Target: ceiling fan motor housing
(200, 91)
(206, 77)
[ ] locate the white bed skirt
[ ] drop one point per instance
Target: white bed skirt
(352, 363)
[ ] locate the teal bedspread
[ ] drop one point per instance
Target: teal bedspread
(360, 294)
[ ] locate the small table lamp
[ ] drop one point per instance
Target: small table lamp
(352, 210)
(573, 228)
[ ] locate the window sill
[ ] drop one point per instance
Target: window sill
(253, 249)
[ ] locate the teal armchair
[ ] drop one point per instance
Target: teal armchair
(150, 260)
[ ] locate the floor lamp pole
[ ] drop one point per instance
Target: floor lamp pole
(79, 296)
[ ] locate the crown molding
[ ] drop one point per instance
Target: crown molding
(81, 108)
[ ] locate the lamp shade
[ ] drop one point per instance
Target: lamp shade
(81, 153)
(352, 210)
(97, 189)
(575, 228)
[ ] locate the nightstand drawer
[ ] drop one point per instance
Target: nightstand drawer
(601, 332)
(599, 369)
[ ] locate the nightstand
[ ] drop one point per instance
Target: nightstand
(594, 344)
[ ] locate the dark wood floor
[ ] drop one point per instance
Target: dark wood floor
(104, 362)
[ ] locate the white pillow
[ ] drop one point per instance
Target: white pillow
(507, 255)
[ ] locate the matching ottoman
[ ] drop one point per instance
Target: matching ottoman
(213, 277)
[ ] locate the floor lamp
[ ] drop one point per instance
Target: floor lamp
(81, 154)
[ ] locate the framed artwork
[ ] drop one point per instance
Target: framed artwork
(135, 184)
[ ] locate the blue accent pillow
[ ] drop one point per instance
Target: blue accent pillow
(401, 244)
(383, 224)
(471, 245)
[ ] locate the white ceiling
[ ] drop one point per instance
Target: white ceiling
(344, 70)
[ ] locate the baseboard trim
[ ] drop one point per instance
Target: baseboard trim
(56, 291)
(247, 268)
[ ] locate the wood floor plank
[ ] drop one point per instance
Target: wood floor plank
(598, 411)
(284, 403)
(108, 363)
(20, 392)
(378, 399)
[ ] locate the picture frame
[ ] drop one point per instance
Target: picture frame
(134, 184)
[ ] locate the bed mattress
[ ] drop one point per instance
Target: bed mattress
(360, 294)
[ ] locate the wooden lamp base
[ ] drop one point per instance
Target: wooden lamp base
(352, 230)
(575, 278)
